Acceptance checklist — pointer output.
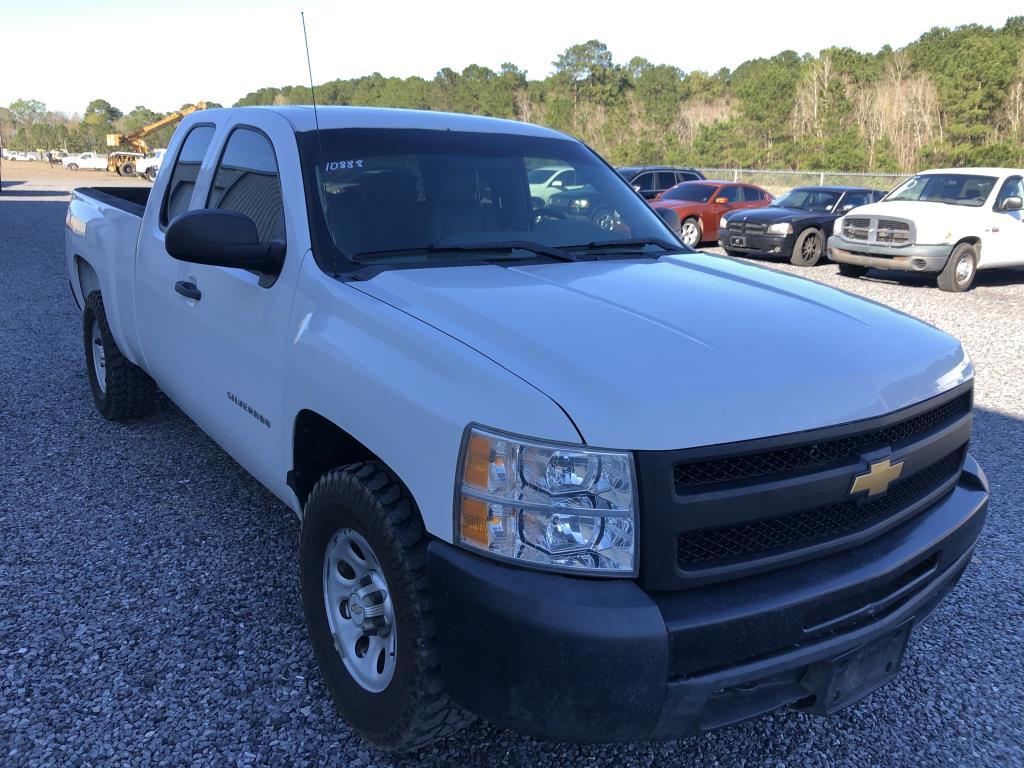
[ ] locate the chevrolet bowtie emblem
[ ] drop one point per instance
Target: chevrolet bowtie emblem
(878, 478)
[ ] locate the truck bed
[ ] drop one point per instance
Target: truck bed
(128, 199)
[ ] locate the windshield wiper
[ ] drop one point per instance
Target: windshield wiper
(633, 244)
(483, 248)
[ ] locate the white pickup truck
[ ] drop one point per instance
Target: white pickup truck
(149, 166)
(563, 477)
(85, 161)
(949, 222)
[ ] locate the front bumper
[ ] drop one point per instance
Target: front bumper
(589, 660)
(907, 258)
(773, 245)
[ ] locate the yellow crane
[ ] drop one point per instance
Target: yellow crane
(123, 162)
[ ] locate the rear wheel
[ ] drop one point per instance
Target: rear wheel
(120, 389)
(367, 604)
(808, 248)
(958, 274)
(852, 270)
(689, 231)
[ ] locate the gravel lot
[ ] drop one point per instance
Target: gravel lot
(150, 605)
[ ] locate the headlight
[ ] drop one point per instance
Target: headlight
(780, 229)
(723, 223)
(579, 204)
(554, 506)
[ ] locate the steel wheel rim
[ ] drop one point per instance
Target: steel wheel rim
(99, 356)
(360, 612)
(809, 249)
(689, 233)
(963, 269)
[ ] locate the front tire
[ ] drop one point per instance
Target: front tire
(72, 166)
(689, 231)
(399, 704)
(808, 248)
(958, 274)
(120, 389)
(852, 270)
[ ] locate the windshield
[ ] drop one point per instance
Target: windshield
(822, 200)
(694, 193)
(410, 194)
(951, 188)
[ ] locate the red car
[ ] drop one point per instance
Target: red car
(700, 205)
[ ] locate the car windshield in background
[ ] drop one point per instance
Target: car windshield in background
(821, 200)
(952, 188)
(420, 196)
(693, 193)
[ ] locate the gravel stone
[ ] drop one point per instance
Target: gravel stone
(150, 600)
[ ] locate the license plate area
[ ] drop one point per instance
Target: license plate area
(738, 240)
(846, 679)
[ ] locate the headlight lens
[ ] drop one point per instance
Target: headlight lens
(579, 204)
(780, 229)
(723, 223)
(555, 506)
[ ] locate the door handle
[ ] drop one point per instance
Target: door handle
(188, 290)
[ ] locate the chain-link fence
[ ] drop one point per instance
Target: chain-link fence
(778, 182)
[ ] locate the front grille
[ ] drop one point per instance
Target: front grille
(700, 474)
(889, 231)
(746, 228)
(856, 229)
(719, 546)
(871, 230)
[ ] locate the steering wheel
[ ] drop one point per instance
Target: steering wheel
(547, 212)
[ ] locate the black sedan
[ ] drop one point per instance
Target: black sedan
(795, 226)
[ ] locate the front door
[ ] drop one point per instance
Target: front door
(1003, 245)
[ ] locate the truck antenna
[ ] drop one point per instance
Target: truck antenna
(316, 121)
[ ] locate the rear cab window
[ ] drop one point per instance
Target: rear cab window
(185, 172)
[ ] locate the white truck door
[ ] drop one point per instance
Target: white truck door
(1004, 245)
(234, 335)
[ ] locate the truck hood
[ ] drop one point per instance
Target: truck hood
(774, 214)
(684, 351)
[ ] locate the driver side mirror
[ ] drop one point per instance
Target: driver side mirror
(222, 239)
(557, 183)
(1012, 203)
(847, 207)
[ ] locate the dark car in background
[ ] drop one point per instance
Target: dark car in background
(795, 226)
(652, 180)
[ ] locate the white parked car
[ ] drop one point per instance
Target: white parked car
(564, 477)
(950, 222)
(544, 182)
(149, 166)
(85, 161)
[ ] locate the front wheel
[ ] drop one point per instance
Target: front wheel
(151, 174)
(808, 248)
(128, 169)
(689, 232)
(958, 274)
(367, 603)
(72, 166)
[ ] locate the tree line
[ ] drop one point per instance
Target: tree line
(951, 97)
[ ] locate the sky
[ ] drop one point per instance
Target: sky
(165, 54)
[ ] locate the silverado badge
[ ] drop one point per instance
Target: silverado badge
(878, 477)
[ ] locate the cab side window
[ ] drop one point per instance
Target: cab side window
(247, 182)
(185, 172)
(1012, 187)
